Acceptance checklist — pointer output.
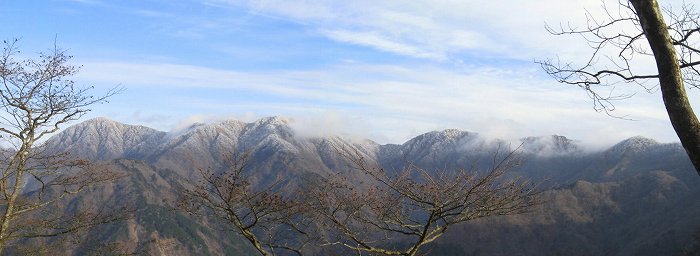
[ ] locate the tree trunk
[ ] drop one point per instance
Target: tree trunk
(681, 114)
(17, 189)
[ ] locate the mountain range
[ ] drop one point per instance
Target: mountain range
(638, 197)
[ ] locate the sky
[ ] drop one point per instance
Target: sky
(384, 70)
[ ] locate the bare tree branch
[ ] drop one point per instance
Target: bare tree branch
(406, 211)
(266, 218)
(673, 44)
(36, 98)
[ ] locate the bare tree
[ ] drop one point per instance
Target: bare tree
(618, 45)
(36, 98)
(387, 214)
(269, 220)
(402, 213)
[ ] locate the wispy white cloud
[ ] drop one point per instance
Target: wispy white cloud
(379, 42)
(431, 29)
(391, 102)
(443, 30)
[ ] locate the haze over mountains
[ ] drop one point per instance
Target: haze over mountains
(638, 197)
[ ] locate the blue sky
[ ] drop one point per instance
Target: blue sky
(387, 70)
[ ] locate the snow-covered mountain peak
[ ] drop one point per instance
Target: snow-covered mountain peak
(444, 136)
(276, 125)
(99, 123)
(431, 143)
(98, 120)
(272, 121)
(634, 144)
(102, 138)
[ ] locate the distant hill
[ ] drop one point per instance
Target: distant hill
(638, 197)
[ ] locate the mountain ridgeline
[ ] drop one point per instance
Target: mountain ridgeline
(638, 197)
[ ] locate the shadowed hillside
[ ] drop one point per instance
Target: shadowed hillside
(638, 197)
